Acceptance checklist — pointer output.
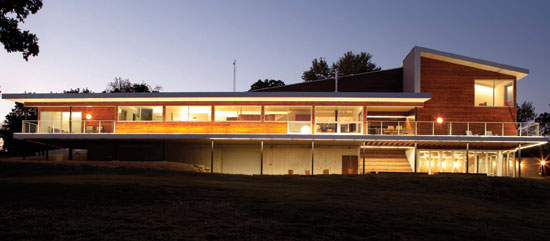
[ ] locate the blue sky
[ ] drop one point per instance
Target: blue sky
(191, 45)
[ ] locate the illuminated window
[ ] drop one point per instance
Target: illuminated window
(237, 113)
(188, 113)
(58, 122)
(297, 117)
(494, 92)
(140, 113)
(338, 119)
(287, 113)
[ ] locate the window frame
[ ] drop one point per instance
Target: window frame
(513, 104)
(288, 116)
(140, 120)
(188, 108)
(260, 113)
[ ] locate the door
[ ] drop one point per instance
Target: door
(350, 164)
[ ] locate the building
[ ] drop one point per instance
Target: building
(439, 112)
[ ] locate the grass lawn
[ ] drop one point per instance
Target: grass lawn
(58, 202)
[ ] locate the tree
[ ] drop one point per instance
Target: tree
(78, 91)
(319, 70)
(120, 85)
(544, 123)
(348, 64)
(526, 112)
(14, 123)
(12, 13)
(355, 64)
(267, 83)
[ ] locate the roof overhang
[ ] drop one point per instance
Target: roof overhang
(220, 96)
(518, 72)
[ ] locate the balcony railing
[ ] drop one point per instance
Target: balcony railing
(433, 128)
(57, 126)
(430, 128)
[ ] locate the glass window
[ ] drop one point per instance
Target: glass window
(287, 113)
(58, 122)
(237, 113)
(188, 113)
(339, 113)
(504, 93)
(339, 119)
(494, 92)
(140, 113)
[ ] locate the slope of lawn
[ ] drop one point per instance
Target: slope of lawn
(57, 202)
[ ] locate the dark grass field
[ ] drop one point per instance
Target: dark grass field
(56, 202)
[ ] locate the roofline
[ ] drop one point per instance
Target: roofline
(319, 80)
(520, 72)
(217, 96)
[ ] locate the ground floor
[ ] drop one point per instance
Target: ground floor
(307, 157)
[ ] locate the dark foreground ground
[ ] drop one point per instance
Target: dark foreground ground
(45, 202)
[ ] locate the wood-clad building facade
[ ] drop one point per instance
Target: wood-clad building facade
(439, 112)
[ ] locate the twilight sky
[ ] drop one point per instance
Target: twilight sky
(190, 45)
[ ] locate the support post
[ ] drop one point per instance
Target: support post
(467, 157)
(415, 158)
(519, 160)
(364, 151)
(70, 154)
(312, 156)
(70, 123)
(261, 157)
(212, 157)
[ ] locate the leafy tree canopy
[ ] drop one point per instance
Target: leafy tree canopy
(12, 13)
(526, 112)
(266, 84)
(319, 70)
(119, 85)
(14, 123)
(348, 64)
(78, 91)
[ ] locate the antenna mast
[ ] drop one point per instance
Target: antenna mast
(234, 75)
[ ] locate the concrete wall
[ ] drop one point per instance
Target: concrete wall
(279, 159)
(330, 157)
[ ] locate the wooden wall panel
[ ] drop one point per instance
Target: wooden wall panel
(452, 89)
(201, 127)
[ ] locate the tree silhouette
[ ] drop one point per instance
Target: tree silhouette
(12, 13)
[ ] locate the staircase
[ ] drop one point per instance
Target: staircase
(385, 160)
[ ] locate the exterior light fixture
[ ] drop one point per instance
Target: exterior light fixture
(543, 162)
(88, 116)
(439, 120)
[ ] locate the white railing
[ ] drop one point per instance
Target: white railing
(75, 126)
(299, 127)
(430, 128)
(433, 128)
(333, 127)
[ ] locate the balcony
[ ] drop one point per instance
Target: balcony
(433, 128)
(396, 128)
(80, 126)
